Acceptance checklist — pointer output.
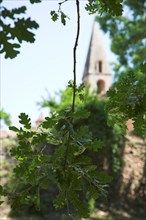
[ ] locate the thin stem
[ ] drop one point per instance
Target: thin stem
(74, 54)
(74, 75)
(74, 93)
(60, 3)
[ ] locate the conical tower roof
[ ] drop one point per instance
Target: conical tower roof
(96, 52)
(97, 71)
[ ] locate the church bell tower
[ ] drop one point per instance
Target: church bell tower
(97, 72)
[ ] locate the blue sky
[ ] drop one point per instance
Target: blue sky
(48, 63)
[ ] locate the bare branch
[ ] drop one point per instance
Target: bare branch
(74, 54)
(60, 3)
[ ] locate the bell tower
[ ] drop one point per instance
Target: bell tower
(97, 72)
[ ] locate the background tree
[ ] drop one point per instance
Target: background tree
(127, 33)
(127, 96)
(5, 117)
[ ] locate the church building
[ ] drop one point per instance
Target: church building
(97, 72)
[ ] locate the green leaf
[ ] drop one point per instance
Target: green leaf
(70, 84)
(35, 1)
(54, 15)
(59, 201)
(90, 168)
(63, 18)
(13, 128)
(82, 208)
(79, 151)
(18, 29)
(9, 49)
(59, 153)
(96, 145)
(93, 192)
(83, 160)
(104, 178)
(81, 97)
(48, 122)
(81, 87)
(25, 120)
(19, 10)
(5, 116)
(2, 191)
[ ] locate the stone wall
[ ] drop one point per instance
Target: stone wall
(133, 176)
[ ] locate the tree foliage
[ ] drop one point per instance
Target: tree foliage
(128, 94)
(111, 7)
(127, 33)
(127, 100)
(4, 116)
(14, 30)
(66, 165)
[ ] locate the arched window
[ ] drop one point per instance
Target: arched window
(98, 66)
(100, 86)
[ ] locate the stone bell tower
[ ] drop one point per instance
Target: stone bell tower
(97, 72)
